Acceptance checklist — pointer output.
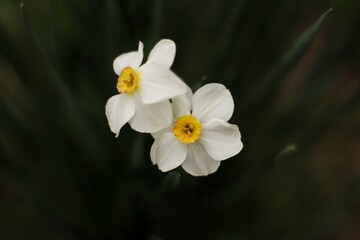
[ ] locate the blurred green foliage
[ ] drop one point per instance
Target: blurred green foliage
(295, 84)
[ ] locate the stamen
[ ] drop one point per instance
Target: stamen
(128, 80)
(187, 129)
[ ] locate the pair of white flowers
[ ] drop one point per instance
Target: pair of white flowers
(190, 130)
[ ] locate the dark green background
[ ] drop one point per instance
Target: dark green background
(295, 84)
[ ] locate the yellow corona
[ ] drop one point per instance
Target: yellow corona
(187, 129)
(128, 80)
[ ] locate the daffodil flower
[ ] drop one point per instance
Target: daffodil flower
(200, 136)
(144, 91)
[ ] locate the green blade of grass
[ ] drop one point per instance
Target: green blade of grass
(264, 92)
(300, 46)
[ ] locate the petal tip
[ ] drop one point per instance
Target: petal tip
(167, 41)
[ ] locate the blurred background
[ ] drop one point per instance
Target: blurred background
(292, 67)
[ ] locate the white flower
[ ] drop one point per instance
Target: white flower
(200, 136)
(144, 91)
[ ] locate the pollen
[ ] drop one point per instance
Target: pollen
(128, 80)
(187, 129)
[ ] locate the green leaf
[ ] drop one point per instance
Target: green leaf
(264, 92)
(301, 45)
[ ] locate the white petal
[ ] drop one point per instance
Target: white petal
(151, 118)
(213, 101)
(157, 84)
(168, 152)
(153, 151)
(163, 53)
(220, 139)
(198, 162)
(158, 133)
(182, 104)
(130, 59)
(119, 109)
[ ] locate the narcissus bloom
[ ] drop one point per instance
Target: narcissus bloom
(144, 91)
(200, 136)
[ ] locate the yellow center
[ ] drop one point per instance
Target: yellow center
(187, 129)
(128, 80)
